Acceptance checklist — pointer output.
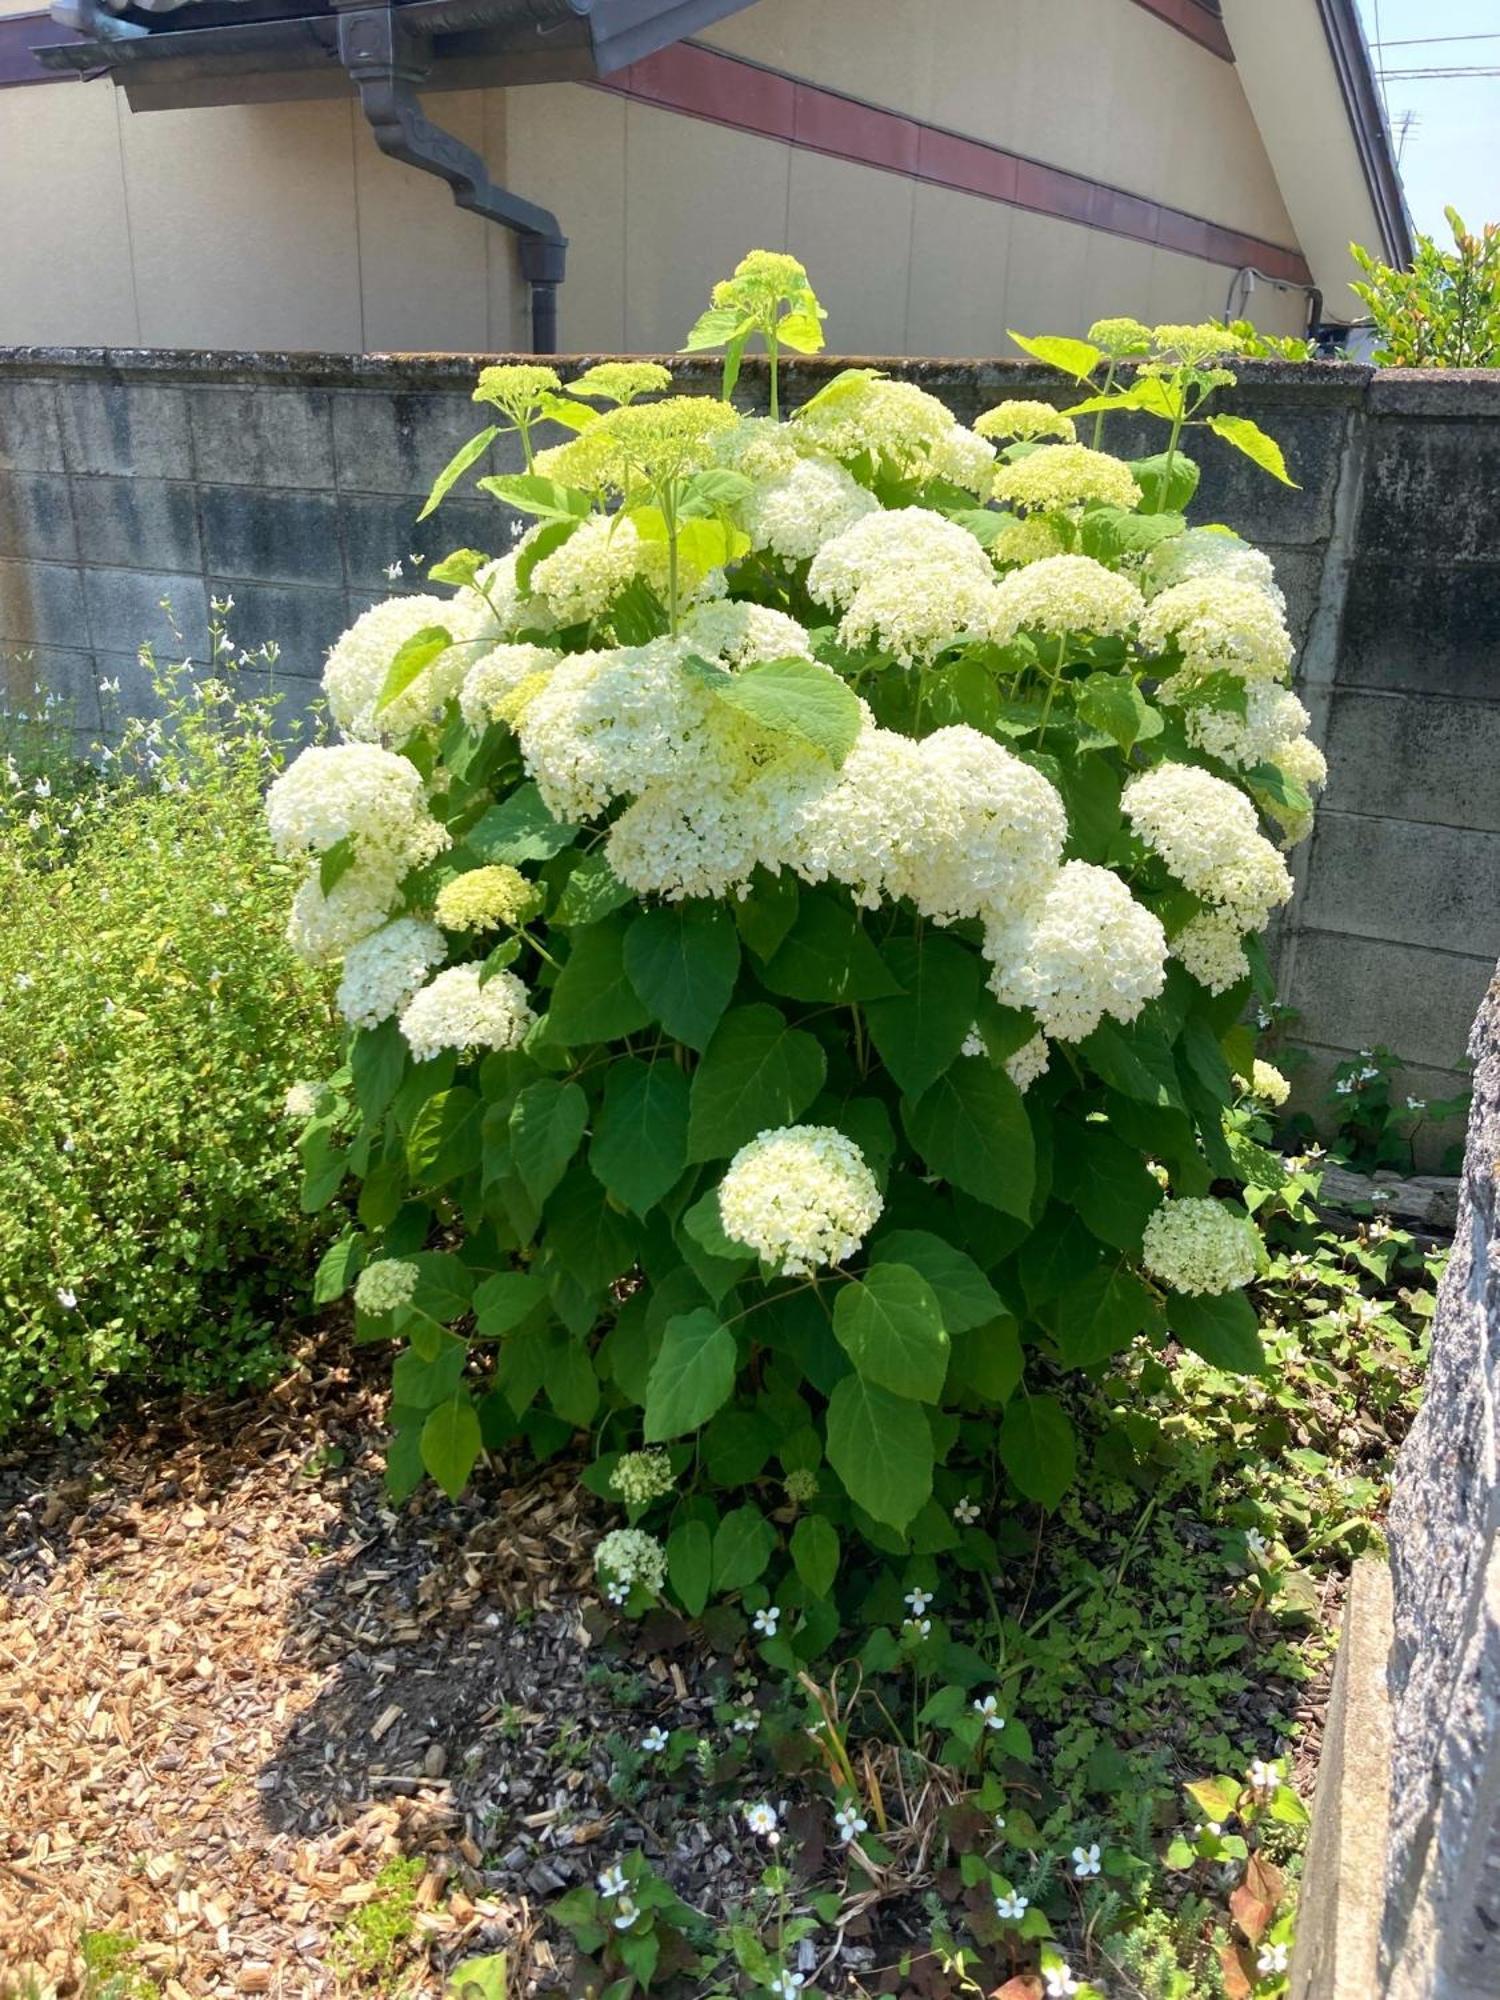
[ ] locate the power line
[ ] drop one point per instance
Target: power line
(1437, 75)
(1422, 41)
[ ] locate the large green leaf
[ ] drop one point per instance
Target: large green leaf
(1135, 1060)
(420, 1381)
(413, 657)
(826, 955)
(920, 1030)
(1100, 1315)
(593, 1000)
(519, 829)
(718, 1263)
(1113, 703)
(690, 1564)
(466, 455)
(1223, 1330)
(691, 1377)
(683, 959)
(444, 1285)
(764, 917)
(1038, 1448)
(987, 1360)
(451, 1443)
(591, 892)
(1078, 358)
(964, 1294)
(588, 1241)
(531, 493)
(377, 1062)
(757, 1073)
(546, 1124)
(504, 1300)
(1105, 1180)
(444, 1139)
(639, 1148)
(889, 1324)
(1249, 438)
(797, 698)
(743, 1545)
(971, 1128)
(880, 1446)
(815, 1553)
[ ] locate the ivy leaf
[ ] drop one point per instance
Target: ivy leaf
(1038, 1448)
(466, 455)
(881, 1447)
(546, 1124)
(889, 1325)
(815, 1553)
(1078, 358)
(1222, 1329)
(756, 1073)
(451, 1444)
(594, 1000)
(683, 959)
(1249, 438)
(691, 1377)
(412, 658)
(520, 829)
(797, 698)
(971, 1129)
(690, 1564)
(920, 1030)
(965, 1296)
(639, 1148)
(826, 955)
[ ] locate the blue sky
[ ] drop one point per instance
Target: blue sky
(1452, 154)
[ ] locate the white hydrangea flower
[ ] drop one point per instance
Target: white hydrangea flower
(1268, 1083)
(1028, 1063)
(1273, 720)
(629, 1555)
(1058, 477)
(1209, 552)
(1199, 1246)
(740, 634)
(301, 1101)
(1219, 626)
(895, 421)
(811, 502)
(1211, 946)
(1027, 538)
(322, 928)
(915, 613)
(964, 459)
(898, 538)
(360, 793)
(496, 675)
(1206, 833)
(1302, 763)
(640, 1477)
(1065, 594)
(383, 970)
(1084, 949)
(580, 580)
(455, 1012)
(706, 834)
(801, 1197)
(359, 662)
(384, 1285)
(1029, 420)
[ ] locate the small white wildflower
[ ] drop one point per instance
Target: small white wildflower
(24, 982)
(654, 1740)
(1257, 1548)
(746, 1724)
(1264, 1778)
(965, 1512)
(786, 1984)
(1273, 1958)
(999, 1822)
(616, 1593)
(1011, 1908)
(761, 1819)
(394, 569)
(766, 1621)
(42, 788)
(612, 1883)
(1086, 1861)
(850, 1825)
(1416, 1103)
(625, 1914)
(1058, 1982)
(1344, 1086)
(988, 1710)
(919, 1600)
(920, 1628)
(67, 1298)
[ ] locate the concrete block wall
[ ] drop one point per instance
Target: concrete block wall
(290, 482)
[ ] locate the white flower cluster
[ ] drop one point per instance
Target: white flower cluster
(1062, 595)
(801, 1197)
(795, 513)
(628, 1556)
(384, 1285)
(1199, 1246)
(910, 582)
(739, 635)
(580, 580)
(1209, 552)
(1268, 1084)
(868, 416)
(1205, 832)
(1219, 626)
(1084, 949)
(496, 676)
(639, 1477)
(1060, 478)
(355, 675)
(383, 971)
(1026, 420)
(1028, 1063)
(456, 1012)
(1274, 720)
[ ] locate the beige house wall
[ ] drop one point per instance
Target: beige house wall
(281, 225)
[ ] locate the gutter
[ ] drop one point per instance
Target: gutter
(1372, 137)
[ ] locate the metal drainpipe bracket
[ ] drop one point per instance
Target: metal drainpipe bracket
(386, 62)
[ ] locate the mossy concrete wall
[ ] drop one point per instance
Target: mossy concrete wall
(291, 481)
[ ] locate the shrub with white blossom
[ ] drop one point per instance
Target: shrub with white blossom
(796, 909)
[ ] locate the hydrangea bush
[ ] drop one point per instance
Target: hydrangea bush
(796, 906)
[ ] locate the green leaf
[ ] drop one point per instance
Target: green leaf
(542, 543)
(1107, 533)
(1136, 1061)
(965, 1296)
(1113, 703)
(459, 568)
(881, 1447)
(692, 1376)
(715, 328)
(421, 1382)
(736, 1445)
(1249, 438)
(797, 698)
(338, 1267)
(639, 1148)
(444, 1286)
(1077, 358)
(1106, 1181)
(690, 1564)
(413, 657)
(1222, 1329)
(571, 1384)
(593, 1000)
(920, 1031)
(591, 892)
(444, 1140)
(1038, 1448)
(546, 1123)
(987, 1360)
(971, 1128)
(466, 455)
(1100, 1315)
(1167, 483)
(532, 494)
(504, 1300)
(519, 829)
(889, 1325)
(815, 1553)
(765, 916)
(683, 959)
(826, 955)
(377, 1061)
(743, 1543)
(334, 864)
(451, 1444)
(589, 1243)
(757, 1073)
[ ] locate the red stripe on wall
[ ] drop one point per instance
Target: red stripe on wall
(1195, 20)
(727, 90)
